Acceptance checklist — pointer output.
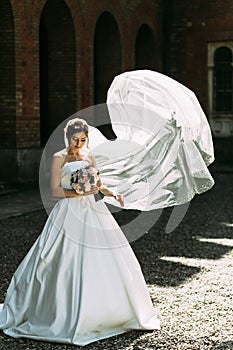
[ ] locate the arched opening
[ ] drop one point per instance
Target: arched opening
(107, 55)
(107, 64)
(57, 67)
(223, 84)
(7, 74)
(145, 51)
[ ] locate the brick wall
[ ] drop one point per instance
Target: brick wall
(50, 71)
(7, 74)
(189, 27)
(49, 65)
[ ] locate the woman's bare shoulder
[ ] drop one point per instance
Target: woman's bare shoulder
(59, 157)
(60, 154)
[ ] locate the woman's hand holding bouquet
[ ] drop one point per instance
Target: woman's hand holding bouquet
(93, 190)
(84, 182)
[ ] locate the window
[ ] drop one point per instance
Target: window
(222, 85)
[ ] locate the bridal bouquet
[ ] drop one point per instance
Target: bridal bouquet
(82, 180)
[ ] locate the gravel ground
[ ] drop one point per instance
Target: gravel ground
(188, 273)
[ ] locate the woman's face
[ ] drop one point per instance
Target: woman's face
(77, 141)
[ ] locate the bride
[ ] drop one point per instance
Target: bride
(80, 281)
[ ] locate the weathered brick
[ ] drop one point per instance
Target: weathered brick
(58, 57)
(48, 61)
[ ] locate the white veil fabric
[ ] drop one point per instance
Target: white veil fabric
(163, 146)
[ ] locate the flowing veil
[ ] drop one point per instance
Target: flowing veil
(163, 145)
(81, 282)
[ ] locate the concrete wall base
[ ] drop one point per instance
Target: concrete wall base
(20, 166)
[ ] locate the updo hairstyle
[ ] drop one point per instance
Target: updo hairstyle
(73, 126)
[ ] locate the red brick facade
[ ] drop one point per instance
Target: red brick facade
(48, 66)
(191, 26)
(51, 64)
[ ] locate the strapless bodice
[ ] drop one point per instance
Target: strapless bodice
(70, 168)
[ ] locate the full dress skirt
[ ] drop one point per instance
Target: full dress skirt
(80, 281)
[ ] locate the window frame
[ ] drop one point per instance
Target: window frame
(221, 121)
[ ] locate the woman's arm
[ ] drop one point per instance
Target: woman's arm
(103, 188)
(55, 181)
(109, 193)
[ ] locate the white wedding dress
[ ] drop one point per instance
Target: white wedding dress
(80, 281)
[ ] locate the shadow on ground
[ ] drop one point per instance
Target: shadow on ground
(209, 216)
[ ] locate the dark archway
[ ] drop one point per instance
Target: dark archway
(57, 66)
(107, 55)
(107, 64)
(145, 50)
(7, 74)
